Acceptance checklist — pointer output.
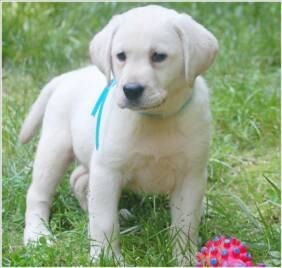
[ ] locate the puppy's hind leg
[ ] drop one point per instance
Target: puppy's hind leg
(53, 155)
(79, 184)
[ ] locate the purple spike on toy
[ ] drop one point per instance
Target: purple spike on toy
(224, 252)
(204, 250)
(213, 261)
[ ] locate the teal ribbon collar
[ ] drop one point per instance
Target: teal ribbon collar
(98, 110)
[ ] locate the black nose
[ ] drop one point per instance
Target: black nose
(133, 90)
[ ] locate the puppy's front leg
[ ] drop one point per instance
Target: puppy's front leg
(104, 192)
(186, 210)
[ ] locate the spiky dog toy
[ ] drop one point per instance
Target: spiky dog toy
(225, 252)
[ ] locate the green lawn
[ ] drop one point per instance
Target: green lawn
(41, 40)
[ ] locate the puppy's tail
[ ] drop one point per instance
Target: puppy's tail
(35, 115)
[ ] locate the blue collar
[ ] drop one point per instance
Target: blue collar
(98, 109)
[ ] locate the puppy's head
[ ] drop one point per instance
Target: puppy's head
(155, 54)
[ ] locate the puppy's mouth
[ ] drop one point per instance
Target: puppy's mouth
(140, 106)
(154, 106)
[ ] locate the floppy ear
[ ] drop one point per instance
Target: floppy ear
(100, 47)
(199, 46)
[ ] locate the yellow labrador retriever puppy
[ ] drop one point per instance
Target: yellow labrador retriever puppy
(151, 132)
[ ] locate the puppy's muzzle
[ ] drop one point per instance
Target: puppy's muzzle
(133, 91)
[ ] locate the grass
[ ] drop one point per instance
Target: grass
(41, 40)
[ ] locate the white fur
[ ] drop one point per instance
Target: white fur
(146, 153)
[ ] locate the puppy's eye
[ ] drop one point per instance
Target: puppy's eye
(158, 57)
(121, 56)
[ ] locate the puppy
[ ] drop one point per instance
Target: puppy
(154, 130)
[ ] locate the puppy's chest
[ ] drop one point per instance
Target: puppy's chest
(157, 156)
(154, 175)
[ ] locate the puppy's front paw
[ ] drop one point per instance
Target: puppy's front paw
(97, 252)
(185, 256)
(186, 260)
(34, 235)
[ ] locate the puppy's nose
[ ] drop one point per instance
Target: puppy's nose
(133, 90)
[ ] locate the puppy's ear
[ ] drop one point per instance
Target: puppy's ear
(199, 46)
(101, 45)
